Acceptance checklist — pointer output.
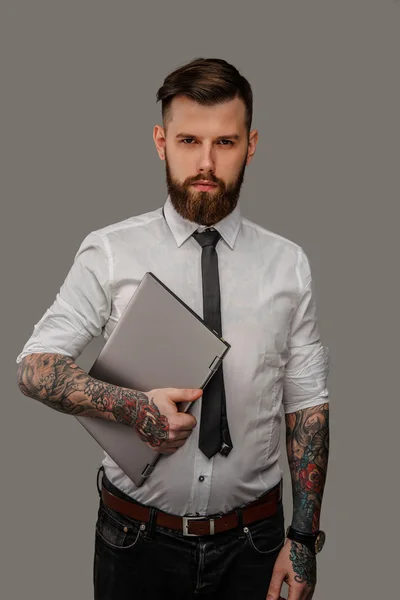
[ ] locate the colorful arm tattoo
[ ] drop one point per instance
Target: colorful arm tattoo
(307, 442)
(56, 381)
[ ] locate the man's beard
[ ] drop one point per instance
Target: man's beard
(204, 208)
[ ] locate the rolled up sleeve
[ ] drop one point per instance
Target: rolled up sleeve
(307, 368)
(82, 306)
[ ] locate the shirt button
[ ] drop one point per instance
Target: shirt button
(201, 478)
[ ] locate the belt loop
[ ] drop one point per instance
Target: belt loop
(241, 533)
(151, 527)
(97, 479)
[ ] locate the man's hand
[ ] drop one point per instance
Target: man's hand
(296, 565)
(158, 421)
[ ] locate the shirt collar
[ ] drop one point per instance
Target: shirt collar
(182, 229)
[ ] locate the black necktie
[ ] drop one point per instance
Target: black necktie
(214, 431)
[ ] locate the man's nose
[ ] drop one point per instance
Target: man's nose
(206, 160)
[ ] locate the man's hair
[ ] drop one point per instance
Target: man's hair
(208, 81)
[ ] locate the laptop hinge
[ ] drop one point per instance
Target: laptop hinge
(215, 363)
(147, 471)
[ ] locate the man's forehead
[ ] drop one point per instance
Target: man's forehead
(185, 111)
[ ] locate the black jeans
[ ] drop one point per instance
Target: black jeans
(142, 561)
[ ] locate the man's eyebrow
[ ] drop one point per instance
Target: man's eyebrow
(233, 136)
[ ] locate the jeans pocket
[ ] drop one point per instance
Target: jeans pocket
(266, 536)
(116, 531)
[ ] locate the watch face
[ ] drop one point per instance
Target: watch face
(319, 542)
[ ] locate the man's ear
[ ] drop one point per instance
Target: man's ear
(253, 139)
(159, 140)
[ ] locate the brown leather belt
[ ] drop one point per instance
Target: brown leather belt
(265, 506)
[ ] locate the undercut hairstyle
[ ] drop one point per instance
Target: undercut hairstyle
(208, 81)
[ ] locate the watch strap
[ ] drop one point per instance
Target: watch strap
(307, 539)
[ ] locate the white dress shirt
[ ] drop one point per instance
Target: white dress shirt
(268, 316)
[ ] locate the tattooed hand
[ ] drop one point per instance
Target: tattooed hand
(158, 421)
(296, 565)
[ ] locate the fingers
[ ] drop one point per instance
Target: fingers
(300, 593)
(180, 434)
(275, 586)
(187, 422)
(174, 442)
(171, 448)
(181, 422)
(184, 394)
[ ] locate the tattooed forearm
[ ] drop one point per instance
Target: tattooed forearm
(307, 442)
(58, 382)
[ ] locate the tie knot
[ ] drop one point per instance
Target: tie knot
(207, 237)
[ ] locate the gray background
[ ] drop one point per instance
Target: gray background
(78, 85)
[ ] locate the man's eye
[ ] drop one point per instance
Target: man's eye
(227, 142)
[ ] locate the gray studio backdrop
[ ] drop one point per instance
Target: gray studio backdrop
(78, 85)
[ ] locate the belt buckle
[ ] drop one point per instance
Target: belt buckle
(186, 526)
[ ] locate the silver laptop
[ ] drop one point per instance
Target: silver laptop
(158, 342)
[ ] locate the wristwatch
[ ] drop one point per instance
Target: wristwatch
(313, 541)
